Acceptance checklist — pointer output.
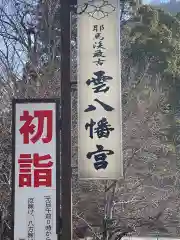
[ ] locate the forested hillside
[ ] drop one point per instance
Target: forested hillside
(146, 200)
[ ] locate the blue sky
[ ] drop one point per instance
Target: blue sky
(146, 1)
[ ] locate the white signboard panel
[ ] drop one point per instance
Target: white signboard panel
(36, 169)
(99, 87)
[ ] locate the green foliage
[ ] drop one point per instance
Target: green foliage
(156, 37)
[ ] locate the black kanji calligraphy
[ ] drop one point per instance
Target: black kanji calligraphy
(90, 108)
(98, 28)
(98, 45)
(90, 126)
(98, 53)
(48, 210)
(99, 62)
(48, 215)
(30, 206)
(98, 36)
(102, 130)
(99, 81)
(48, 228)
(106, 107)
(100, 157)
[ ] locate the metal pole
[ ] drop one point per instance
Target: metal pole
(66, 121)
